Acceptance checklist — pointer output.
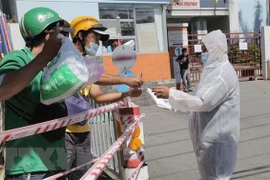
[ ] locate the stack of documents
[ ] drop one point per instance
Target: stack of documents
(163, 103)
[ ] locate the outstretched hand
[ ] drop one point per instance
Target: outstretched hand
(135, 92)
(161, 91)
(134, 82)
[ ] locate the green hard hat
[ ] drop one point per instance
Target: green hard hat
(36, 20)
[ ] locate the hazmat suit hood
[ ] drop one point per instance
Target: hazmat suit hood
(216, 44)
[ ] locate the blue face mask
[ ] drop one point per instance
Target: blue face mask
(204, 57)
(92, 50)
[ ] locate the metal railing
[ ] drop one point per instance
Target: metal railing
(103, 135)
(247, 63)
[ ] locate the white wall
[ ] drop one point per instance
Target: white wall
(233, 15)
(16, 37)
(265, 46)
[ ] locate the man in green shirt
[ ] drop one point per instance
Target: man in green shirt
(34, 156)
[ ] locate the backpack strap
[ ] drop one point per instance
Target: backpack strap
(19, 112)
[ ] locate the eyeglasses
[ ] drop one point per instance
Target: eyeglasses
(66, 34)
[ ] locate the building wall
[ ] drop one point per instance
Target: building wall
(154, 64)
(233, 15)
(221, 23)
(208, 10)
(265, 45)
(9, 8)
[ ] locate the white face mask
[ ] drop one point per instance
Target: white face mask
(92, 50)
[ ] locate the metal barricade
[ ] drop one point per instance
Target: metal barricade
(103, 136)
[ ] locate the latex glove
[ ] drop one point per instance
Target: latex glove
(161, 91)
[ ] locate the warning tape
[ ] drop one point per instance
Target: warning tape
(133, 175)
(69, 171)
(99, 166)
(56, 123)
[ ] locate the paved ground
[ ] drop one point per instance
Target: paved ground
(169, 152)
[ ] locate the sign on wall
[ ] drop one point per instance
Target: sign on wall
(243, 46)
(177, 51)
(147, 37)
(190, 4)
(197, 48)
(124, 58)
(178, 38)
(214, 3)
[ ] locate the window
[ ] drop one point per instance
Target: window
(149, 26)
(145, 15)
(111, 44)
(140, 26)
(127, 28)
(118, 17)
(113, 11)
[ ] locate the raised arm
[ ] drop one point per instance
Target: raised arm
(107, 79)
(208, 96)
(101, 97)
(16, 79)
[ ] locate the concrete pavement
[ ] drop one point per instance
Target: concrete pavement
(169, 151)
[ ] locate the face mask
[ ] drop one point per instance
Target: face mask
(185, 53)
(204, 58)
(92, 50)
(100, 49)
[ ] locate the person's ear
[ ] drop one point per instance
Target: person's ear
(80, 35)
(47, 37)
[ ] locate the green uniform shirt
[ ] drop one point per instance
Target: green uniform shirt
(33, 153)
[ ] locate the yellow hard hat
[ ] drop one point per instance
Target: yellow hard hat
(86, 23)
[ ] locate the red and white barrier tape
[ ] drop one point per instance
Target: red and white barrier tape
(98, 167)
(133, 175)
(69, 171)
(56, 123)
(127, 119)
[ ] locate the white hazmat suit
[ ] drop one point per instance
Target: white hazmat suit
(215, 112)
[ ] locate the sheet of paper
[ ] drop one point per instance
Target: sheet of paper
(163, 103)
(198, 48)
(243, 46)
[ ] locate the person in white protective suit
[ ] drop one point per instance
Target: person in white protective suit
(215, 112)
